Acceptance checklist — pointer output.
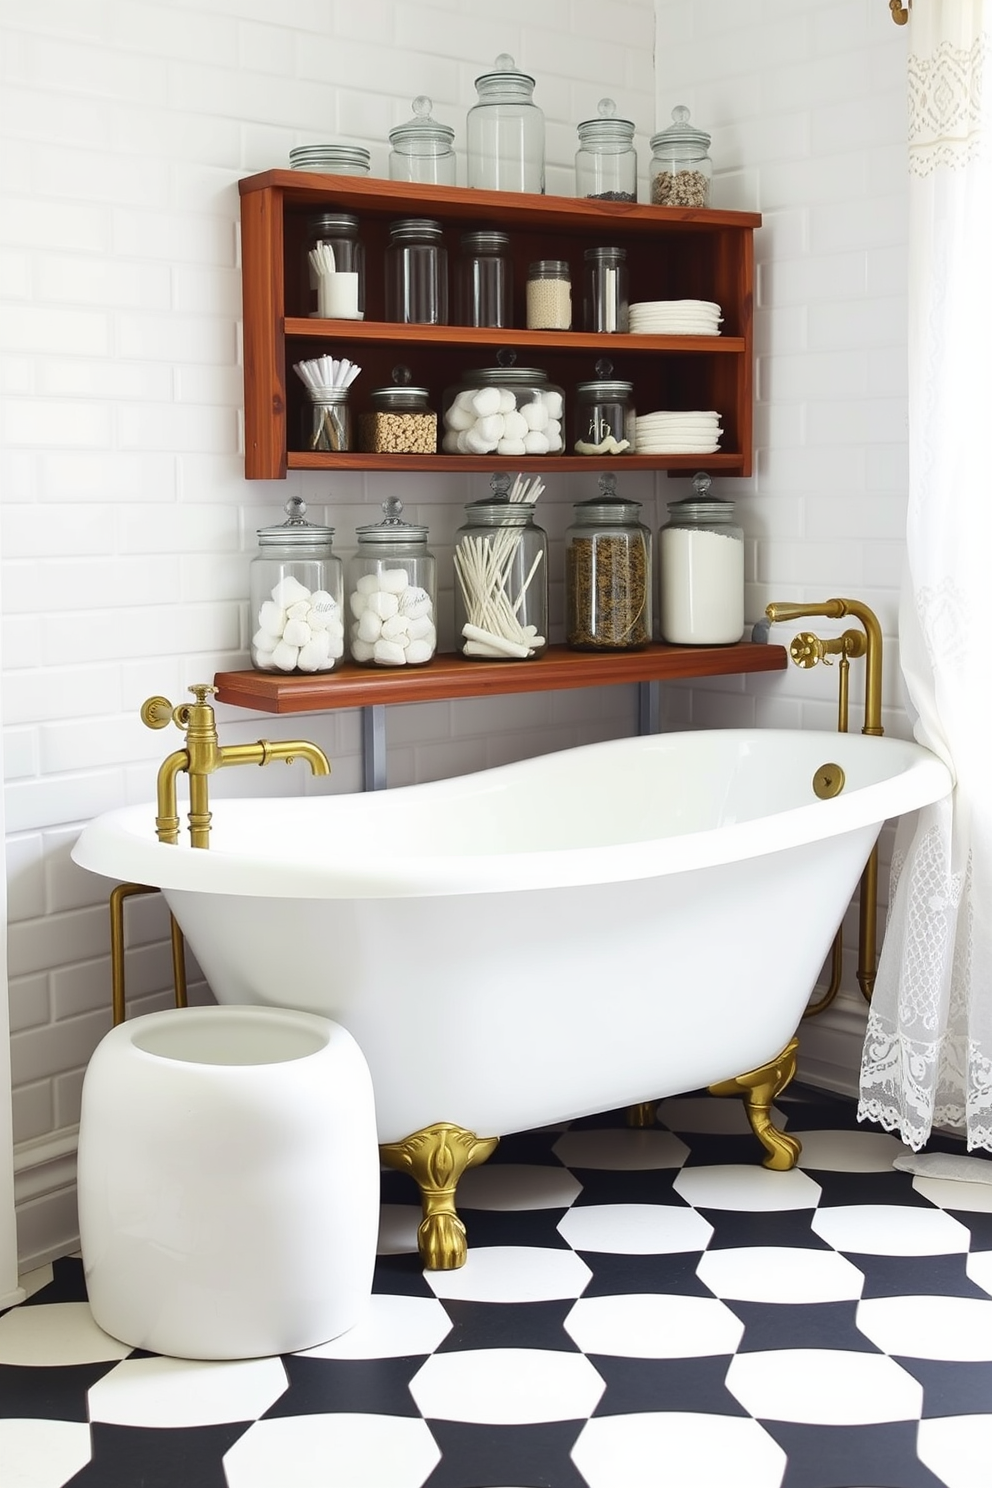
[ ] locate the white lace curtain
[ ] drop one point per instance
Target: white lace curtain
(928, 1048)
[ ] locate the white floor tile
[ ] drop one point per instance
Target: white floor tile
(929, 1327)
(979, 1268)
(33, 1281)
(512, 1273)
(770, 1273)
(398, 1229)
(824, 1387)
(635, 1229)
(511, 1186)
(186, 1392)
(848, 1152)
(709, 1115)
(950, 1193)
(957, 1448)
(366, 1452)
(654, 1326)
(391, 1328)
(507, 1387)
(741, 1186)
(677, 1448)
(60, 1333)
(42, 1454)
(621, 1149)
(890, 1229)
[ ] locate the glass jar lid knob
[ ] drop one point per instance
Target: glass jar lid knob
(499, 484)
(701, 483)
(608, 486)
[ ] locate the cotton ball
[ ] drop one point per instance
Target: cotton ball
(461, 441)
(297, 633)
(323, 608)
(369, 627)
(415, 601)
(485, 402)
(383, 604)
(271, 618)
(464, 400)
(553, 435)
(334, 628)
(314, 657)
(284, 657)
(514, 425)
(419, 627)
(449, 444)
(507, 400)
(458, 417)
(288, 591)
(536, 443)
(535, 414)
(396, 628)
(261, 656)
(418, 651)
(335, 645)
(298, 611)
(357, 603)
(491, 429)
(361, 650)
(553, 402)
(511, 447)
(478, 444)
(368, 584)
(389, 653)
(394, 580)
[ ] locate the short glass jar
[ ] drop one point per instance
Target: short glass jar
(334, 160)
(608, 584)
(549, 295)
(606, 161)
(505, 132)
(605, 294)
(401, 421)
(416, 272)
(336, 234)
(422, 148)
(605, 418)
(701, 571)
(327, 420)
(504, 410)
(392, 593)
(501, 581)
(295, 597)
(484, 280)
(681, 169)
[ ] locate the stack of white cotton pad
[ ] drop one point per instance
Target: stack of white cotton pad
(393, 620)
(675, 318)
(298, 630)
(675, 433)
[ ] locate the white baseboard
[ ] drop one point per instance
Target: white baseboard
(830, 1046)
(45, 1199)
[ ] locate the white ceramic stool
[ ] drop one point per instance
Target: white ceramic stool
(228, 1182)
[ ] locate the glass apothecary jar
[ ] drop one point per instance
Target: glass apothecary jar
(606, 161)
(608, 583)
(701, 571)
(335, 234)
(505, 132)
(504, 410)
(422, 148)
(327, 420)
(295, 596)
(401, 421)
(605, 419)
(392, 593)
(501, 580)
(484, 280)
(681, 168)
(416, 272)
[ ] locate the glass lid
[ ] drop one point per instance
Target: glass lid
(422, 126)
(392, 528)
(680, 131)
(295, 529)
(607, 127)
(607, 506)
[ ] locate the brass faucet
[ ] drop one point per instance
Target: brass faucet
(203, 755)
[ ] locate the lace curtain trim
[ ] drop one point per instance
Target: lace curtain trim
(945, 104)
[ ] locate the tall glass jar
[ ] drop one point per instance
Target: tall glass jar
(416, 272)
(608, 574)
(606, 297)
(605, 417)
(295, 597)
(504, 410)
(422, 148)
(701, 571)
(505, 132)
(681, 168)
(484, 280)
(337, 232)
(606, 161)
(501, 582)
(392, 593)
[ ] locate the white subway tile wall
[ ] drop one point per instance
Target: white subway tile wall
(127, 526)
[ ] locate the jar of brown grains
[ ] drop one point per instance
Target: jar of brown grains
(608, 585)
(401, 421)
(681, 168)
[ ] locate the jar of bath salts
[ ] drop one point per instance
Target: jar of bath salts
(295, 597)
(701, 571)
(392, 593)
(401, 421)
(501, 580)
(504, 410)
(681, 168)
(607, 574)
(549, 295)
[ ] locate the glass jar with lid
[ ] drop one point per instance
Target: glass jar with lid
(416, 272)
(401, 421)
(608, 585)
(295, 596)
(334, 246)
(606, 161)
(549, 295)
(606, 297)
(505, 132)
(334, 160)
(605, 417)
(484, 280)
(701, 571)
(501, 579)
(327, 420)
(681, 168)
(504, 410)
(422, 148)
(391, 583)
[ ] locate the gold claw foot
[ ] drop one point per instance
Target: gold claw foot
(759, 1088)
(642, 1114)
(436, 1157)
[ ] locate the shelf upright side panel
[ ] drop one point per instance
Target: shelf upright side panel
(263, 291)
(745, 385)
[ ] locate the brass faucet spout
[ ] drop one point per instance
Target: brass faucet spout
(167, 821)
(836, 609)
(265, 752)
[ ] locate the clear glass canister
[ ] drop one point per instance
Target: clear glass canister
(334, 160)
(505, 132)
(501, 581)
(606, 161)
(392, 593)
(605, 294)
(608, 583)
(422, 148)
(416, 272)
(334, 247)
(401, 420)
(605, 417)
(295, 597)
(483, 280)
(701, 571)
(327, 420)
(549, 295)
(504, 410)
(681, 168)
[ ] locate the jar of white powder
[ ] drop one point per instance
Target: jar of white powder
(701, 571)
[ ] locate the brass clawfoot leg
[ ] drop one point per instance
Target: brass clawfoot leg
(436, 1157)
(759, 1088)
(642, 1114)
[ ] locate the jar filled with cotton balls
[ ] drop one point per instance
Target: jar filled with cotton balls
(504, 410)
(295, 596)
(392, 593)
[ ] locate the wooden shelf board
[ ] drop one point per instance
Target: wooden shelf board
(486, 337)
(455, 464)
(452, 676)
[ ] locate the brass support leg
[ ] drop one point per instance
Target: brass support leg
(759, 1088)
(436, 1157)
(117, 896)
(641, 1114)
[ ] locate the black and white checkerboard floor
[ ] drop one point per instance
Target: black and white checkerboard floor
(639, 1308)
